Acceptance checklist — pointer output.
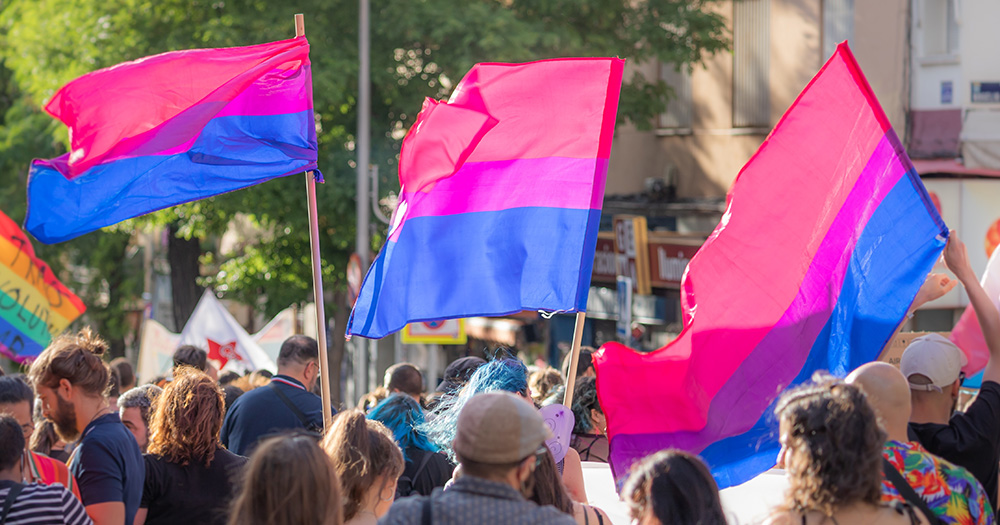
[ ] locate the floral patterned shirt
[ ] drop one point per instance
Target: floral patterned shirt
(949, 490)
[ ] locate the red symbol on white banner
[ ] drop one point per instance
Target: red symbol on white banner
(223, 352)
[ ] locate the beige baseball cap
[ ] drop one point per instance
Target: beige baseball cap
(934, 356)
(497, 428)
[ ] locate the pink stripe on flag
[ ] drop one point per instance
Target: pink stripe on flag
(554, 182)
(105, 108)
(516, 92)
(277, 92)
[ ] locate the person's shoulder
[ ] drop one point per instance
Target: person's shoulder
(109, 432)
(550, 515)
(780, 518)
(989, 393)
(40, 492)
(899, 512)
(405, 510)
(440, 458)
(253, 396)
(990, 386)
(300, 395)
(957, 477)
(931, 432)
(56, 465)
(230, 458)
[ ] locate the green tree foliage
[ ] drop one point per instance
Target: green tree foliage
(419, 48)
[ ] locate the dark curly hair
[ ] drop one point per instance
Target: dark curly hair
(675, 487)
(585, 400)
(833, 446)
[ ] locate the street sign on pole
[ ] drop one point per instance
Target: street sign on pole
(445, 332)
(623, 328)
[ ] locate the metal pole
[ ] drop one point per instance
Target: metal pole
(363, 148)
(317, 273)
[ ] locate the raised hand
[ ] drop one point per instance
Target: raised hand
(956, 258)
(935, 286)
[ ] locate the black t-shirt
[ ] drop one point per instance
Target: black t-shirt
(191, 493)
(970, 440)
(435, 473)
(108, 466)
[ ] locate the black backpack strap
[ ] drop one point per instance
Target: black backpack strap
(11, 496)
(423, 463)
(405, 484)
(291, 406)
(907, 492)
(426, 517)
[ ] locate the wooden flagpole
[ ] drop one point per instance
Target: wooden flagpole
(581, 318)
(317, 273)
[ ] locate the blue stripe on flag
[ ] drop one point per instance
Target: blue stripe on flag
(514, 260)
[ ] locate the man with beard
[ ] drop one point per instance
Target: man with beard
(71, 381)
(16, 398)
(933, 367)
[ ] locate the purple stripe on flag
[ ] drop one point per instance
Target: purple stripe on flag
(277, 92)
(551, 182)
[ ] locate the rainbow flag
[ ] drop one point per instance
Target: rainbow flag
(501, 197)
(34, 305)
(173, 128)
(826, 239)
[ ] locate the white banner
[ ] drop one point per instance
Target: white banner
(215, 330)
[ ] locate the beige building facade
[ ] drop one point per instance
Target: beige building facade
(724, 108)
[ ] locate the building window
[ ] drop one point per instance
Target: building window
(678, 113)
(838, 24)
(751, 63)
(939, 22)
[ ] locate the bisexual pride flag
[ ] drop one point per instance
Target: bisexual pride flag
(34, 305)
(173, 128)
(501, 197)
(827, 236)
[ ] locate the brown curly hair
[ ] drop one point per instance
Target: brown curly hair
(541, 382)
(834, 446)
(362, 450)
(188, 418)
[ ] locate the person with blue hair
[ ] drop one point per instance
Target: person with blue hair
(426, 467)
(505, 373)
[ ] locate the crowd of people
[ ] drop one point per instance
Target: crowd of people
(81, 443)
